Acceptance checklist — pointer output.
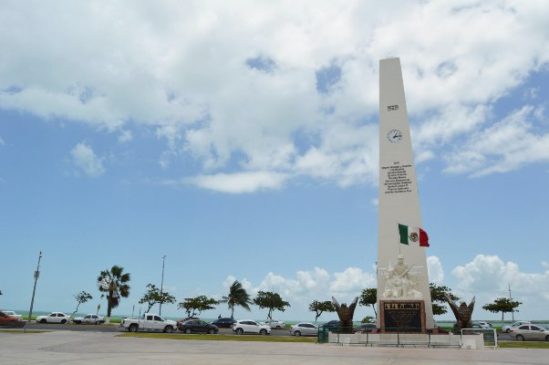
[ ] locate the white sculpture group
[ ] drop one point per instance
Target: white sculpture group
(401, 281)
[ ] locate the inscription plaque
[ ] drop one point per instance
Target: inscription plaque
(403, 316)
(397, 179)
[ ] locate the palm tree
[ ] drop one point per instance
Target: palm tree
(237, 296)
(114, 283)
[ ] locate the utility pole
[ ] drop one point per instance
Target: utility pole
(162, 285)
(36, 275)
(511, 298)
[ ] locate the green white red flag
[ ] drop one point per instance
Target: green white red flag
(413, 234)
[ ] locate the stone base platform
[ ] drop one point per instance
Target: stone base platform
(471, 342)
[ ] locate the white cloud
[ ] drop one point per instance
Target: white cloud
(435, 270)
(125, 136)
(504, 146)
(182, 70)
(85, 159)
(237, 183)
(317, 284)
(488, 277)
(352, 281)
(2, 143)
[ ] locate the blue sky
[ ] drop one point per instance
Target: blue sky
(241, 141)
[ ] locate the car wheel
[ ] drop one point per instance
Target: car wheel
(263, 332)
(43, 321)
(63, 321)
(297, 333)
(133, 328)
(239, 331)
(507, 330)
(211, 332)
(188, 331)
(168, 329)
(520, 338)
(547, 338)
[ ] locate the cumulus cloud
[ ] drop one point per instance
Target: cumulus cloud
(316, 284)
(485, 276)
(244, 182)
(435, 270)
(85, 160)
(489, 277)
(298, 98)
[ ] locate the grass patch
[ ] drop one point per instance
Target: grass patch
(523, 345)
(249, 338)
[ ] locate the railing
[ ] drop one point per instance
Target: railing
(489, 335)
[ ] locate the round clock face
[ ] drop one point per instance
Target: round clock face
(394, 136)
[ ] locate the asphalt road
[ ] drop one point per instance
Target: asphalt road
(116, 328)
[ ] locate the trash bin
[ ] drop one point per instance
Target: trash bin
(323, 335)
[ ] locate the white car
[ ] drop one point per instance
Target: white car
(482, 324)
(274, 323)
(509, 327)
(12, 313)
(89, 319)
(304, 329)
(249, 326)
(53, 317)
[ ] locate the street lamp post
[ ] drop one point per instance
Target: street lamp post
(162, 285)
(36, 275)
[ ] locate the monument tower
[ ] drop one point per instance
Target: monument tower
(403, 296)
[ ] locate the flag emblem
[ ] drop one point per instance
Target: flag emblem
(413, 234)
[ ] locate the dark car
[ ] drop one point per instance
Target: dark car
(366, 328)
(7, 320)
(197, 326)
(332, 326)
(224, 322)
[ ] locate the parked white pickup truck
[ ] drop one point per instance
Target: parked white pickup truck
(149, 322)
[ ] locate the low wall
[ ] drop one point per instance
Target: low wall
(473, 342)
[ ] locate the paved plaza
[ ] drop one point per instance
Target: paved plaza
(64, 347)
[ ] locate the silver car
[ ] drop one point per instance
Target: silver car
(508, 327)
(530, 331)
(304, 329)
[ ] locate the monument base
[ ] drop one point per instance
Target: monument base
(402, 316)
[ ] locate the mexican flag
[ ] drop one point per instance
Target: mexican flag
(413, 234)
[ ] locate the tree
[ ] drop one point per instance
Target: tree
(81, 297)
(502, 305)
(438, 295)
(238, 296)
(321, 307)
(114, 283)
(272, 301)
(197, 304)
(154, 296)
(369, 297)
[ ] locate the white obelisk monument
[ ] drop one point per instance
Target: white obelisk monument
(398, 203)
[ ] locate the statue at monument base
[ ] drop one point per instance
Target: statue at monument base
(345, 314)
(400, 281)
(463, 313)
